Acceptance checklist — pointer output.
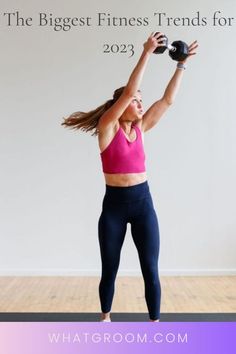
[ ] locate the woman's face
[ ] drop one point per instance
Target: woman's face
(135, 108)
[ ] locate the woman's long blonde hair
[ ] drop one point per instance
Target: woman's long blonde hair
(87, 121)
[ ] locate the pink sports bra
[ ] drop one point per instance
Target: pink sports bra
(123, 156)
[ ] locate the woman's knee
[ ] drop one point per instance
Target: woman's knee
(109, 274)
(151, 275)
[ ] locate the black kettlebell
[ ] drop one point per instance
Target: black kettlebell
(178, 50)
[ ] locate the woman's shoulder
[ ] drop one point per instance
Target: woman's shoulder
(111, 128)
(106, 134)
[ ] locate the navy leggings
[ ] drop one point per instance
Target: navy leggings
(134, 205)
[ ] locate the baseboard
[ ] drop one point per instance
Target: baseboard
(121, 272)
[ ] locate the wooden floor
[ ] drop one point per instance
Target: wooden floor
(80, 294)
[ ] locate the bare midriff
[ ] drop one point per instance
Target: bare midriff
(125, 180)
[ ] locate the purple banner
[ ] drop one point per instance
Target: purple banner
(118, 337)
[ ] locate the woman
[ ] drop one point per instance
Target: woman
(120, 124)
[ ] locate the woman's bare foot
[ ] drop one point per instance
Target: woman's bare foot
(105, 317)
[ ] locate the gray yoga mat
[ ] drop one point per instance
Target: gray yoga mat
(115, 317)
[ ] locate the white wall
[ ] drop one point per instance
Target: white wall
(51, 181)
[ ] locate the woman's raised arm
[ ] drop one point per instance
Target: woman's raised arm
(158, 108)
(112, 115)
